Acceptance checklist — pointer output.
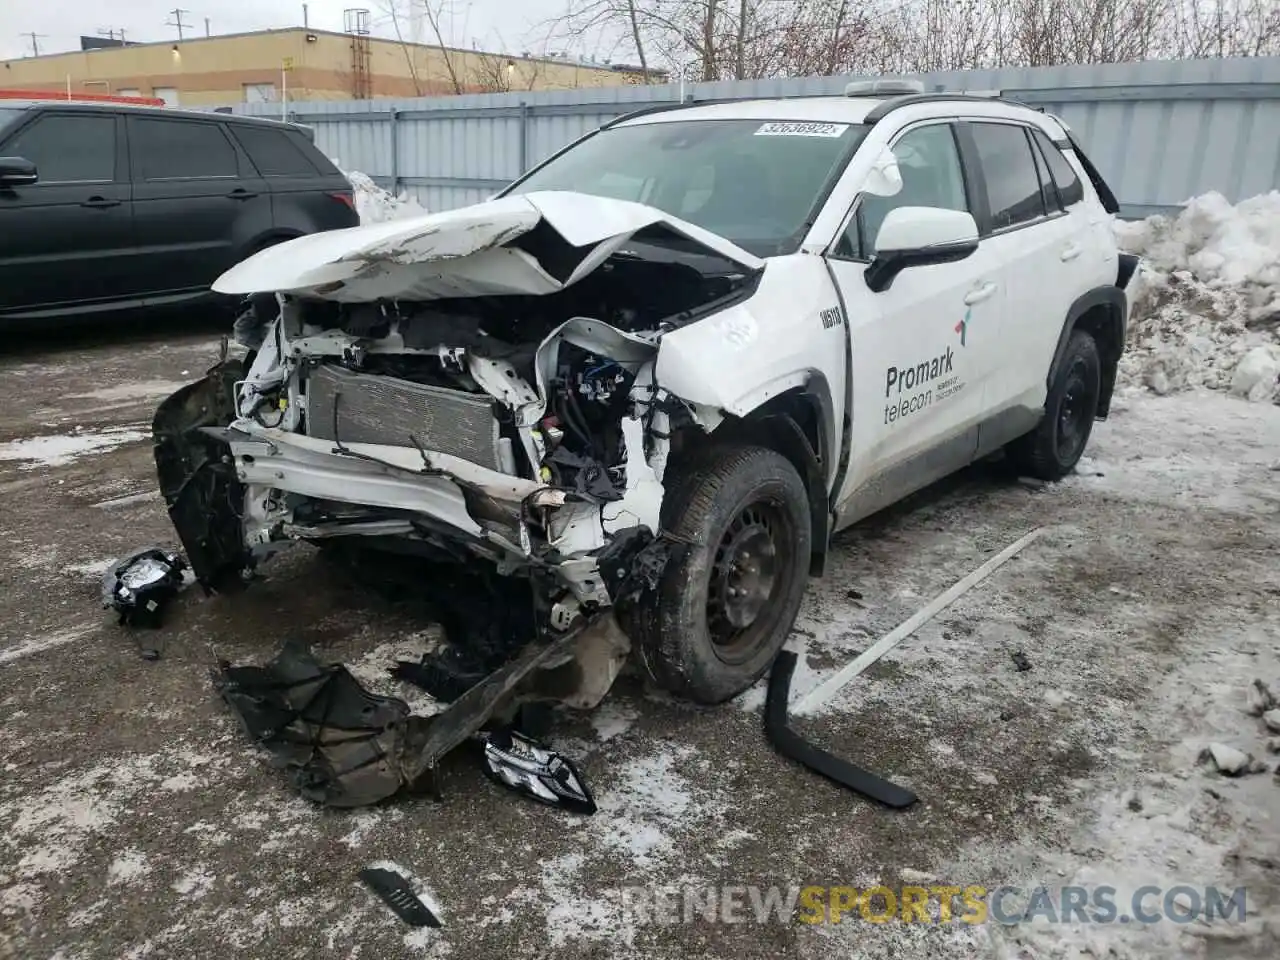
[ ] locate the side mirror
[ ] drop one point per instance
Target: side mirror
(917, 237)
(17, 172)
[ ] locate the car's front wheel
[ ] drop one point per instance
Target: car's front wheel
(739, 519)
(1053, 448)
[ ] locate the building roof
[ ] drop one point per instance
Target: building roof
(134, 45)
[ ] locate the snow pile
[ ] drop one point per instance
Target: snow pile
(1206, 302)
(374, 205)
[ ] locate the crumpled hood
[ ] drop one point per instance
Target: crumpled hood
(464, 253)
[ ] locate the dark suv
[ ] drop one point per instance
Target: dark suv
(108, 207)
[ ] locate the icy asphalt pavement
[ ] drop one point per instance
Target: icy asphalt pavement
(136, 821)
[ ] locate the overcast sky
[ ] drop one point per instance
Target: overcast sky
(491, 23)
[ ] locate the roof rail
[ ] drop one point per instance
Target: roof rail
(876, 114)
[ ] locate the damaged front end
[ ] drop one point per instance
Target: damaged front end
(476, 388)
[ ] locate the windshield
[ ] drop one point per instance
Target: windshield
(754, 182)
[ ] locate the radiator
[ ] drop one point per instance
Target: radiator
(379, 409)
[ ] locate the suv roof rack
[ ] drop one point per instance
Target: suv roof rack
(878, 113)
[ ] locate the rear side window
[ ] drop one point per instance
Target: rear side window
(1070, 189)
(180, 150)
(274, 153)
(67, 149)
(1013, 186)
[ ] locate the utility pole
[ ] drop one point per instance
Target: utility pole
(206, 27)
(35, 42)
(110, 34)
(177, 21)
(306, 21)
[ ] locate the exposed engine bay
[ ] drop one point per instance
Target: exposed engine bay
(527, 430)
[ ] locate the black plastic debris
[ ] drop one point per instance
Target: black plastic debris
(340, 745)
(399, 896)
(138, 586)
(529, 768)
(794, 747)
(1020, 661)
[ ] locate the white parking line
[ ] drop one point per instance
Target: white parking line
(47, 642)
(824, 691)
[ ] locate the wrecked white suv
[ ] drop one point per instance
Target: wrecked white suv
(656, 374)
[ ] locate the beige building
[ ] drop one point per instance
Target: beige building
(308, 64)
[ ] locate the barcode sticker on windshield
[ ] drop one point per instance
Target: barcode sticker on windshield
(800, 128)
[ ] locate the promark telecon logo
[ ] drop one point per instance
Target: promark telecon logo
(962, 327)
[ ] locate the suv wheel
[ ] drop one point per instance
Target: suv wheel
(1053, 448)
(731, 590)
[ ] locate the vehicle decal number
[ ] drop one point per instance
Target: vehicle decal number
(800, 128)
(830, 317)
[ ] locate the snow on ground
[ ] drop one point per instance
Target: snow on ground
(1207, 307)
(61, 449)
(374, 205)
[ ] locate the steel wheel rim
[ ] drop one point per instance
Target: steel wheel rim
(747, 577)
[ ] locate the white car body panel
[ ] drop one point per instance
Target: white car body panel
(465, 248)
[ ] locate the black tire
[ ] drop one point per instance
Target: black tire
(692, 637)
(1055, 446)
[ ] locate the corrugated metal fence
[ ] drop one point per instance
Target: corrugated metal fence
(1160, 132)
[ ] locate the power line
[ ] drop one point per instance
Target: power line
(110, 33)
(35, 42)
(177, 21)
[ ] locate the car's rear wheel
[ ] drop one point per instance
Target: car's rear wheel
(728, 597)
(1053, 448)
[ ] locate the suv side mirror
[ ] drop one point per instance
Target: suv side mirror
(16, 172)
(917, 237)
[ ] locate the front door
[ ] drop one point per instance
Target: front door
(66, 240)
(923, 350)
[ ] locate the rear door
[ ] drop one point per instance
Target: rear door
(198, 203)
(65, 241)
(1038, 249)
(308, 193)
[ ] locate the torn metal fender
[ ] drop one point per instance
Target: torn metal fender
(198, 478)
(467, 251)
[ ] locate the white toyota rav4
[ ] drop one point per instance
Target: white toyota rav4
(655, 375)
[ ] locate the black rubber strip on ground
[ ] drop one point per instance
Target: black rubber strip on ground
(399, 896)
(792, 746)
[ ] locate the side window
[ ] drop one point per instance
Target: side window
(931, 177)
(1070, 189)
(67, 149)
(273, 153)
(180, 150)
(1009, 167)
(1048, 192)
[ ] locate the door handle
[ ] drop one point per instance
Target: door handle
(240, 193)
(100, 202)
(1070, 252)
(978, 294)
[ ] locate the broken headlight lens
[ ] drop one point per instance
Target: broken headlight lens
(527, 767)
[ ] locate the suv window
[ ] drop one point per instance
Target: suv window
(1013, 186)
(67, 149)
(929, 162)
(273, 153)
(1070, 189)
(180, 149)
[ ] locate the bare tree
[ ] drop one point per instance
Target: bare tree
(392, 9)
